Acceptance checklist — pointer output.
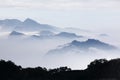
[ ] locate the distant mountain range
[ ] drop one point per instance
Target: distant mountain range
(46, 31)
(82, 46)
(26, 25)
(47, 35)
(29, 25)
(32, 25)
(51, 35)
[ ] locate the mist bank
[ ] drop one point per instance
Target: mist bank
(30, 52)
(30, 48)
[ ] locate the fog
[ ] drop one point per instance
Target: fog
(29, 52)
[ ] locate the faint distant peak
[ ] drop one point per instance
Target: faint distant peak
(30, 21)
(16, 33)
(66, 34)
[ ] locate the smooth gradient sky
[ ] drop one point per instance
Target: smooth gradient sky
(84, 14)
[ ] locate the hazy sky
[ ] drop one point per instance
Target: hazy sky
(100, 15)
(85, 14)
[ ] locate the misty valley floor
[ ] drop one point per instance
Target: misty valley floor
(101, 69)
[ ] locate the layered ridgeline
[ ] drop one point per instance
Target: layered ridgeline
(47, 35)
(82, 46)
(45, 31)
(26, 25)
(101, 69)
(30, 25)
(19, 28)
(60, 35)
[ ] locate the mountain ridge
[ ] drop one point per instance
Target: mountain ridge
(83, 46)
(26, 25)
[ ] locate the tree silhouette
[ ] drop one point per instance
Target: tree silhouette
(101, 69)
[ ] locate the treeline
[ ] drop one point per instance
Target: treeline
(101, 69)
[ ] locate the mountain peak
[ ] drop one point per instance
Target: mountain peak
(89, 41)
(68, 35)
(16, 33)
(92, 40)
(28, 20)
(83, 46)
(93, 43)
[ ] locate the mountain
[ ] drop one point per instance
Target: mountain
(31, 25)
(26, 25)
(83, 46)
(52, 35)
(68, 35)
(9, 24)
(15, 33)
(93, 43)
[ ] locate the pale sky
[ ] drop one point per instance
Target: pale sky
(85, 14)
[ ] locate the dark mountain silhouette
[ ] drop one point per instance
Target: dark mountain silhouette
(82, 46)
(101, 69)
